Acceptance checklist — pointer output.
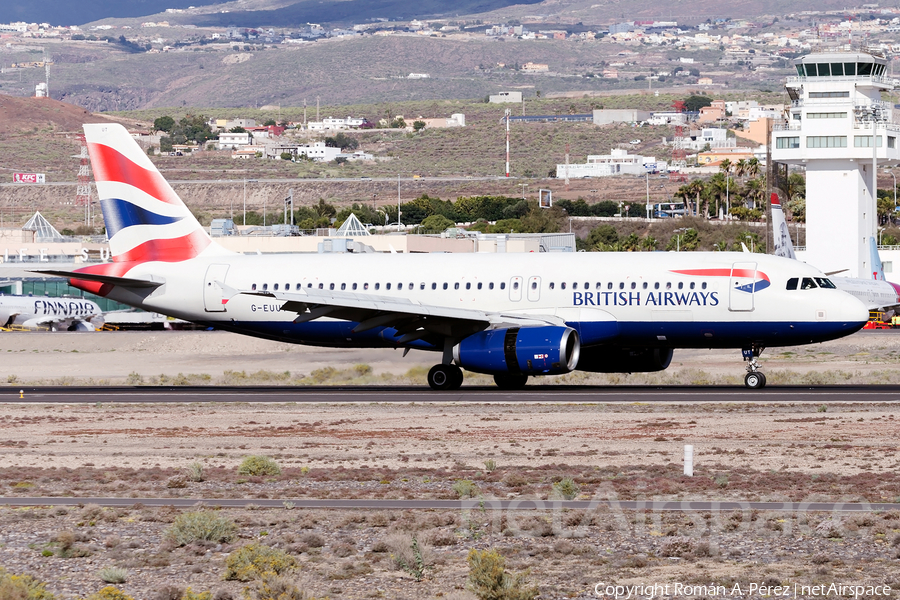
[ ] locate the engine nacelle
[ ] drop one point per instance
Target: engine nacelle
(603, 359)
(520, 351)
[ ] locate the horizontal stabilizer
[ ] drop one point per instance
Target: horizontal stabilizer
(122, 281)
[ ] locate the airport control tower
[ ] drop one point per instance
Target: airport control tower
(836, 104)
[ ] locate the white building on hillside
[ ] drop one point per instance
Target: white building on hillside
(232, 141)
(618, 162)
(336, 124)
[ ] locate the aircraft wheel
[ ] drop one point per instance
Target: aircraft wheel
(755, 381)
(510, 382)
(442, 377)
(456, 377)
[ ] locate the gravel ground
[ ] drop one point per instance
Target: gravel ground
(772, 451)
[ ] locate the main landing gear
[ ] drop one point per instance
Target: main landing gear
(445, 377)
(754, 379)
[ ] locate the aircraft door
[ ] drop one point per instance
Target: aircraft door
(742, 284)
(534, 289)
(213, 294)
(515, 289)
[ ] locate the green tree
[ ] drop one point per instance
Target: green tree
(694, 102)
(165, 123)
(342, 141)
(269, 123)
(237, 129)
(418, 125)
(435, 224)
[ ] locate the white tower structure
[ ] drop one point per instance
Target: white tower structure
(836, 105)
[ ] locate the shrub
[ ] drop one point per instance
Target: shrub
(22, 587)
(194, 472)
(274, 587)
(113, 574)
(465, 488)
(254, 561)
(201, 525)
(259, 465)
(490, 465)
(410, 555)
(489, 580)
(189, 594)
(566, 488)
(109, 593)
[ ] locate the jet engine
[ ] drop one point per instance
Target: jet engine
(520, 351)
(605, 359)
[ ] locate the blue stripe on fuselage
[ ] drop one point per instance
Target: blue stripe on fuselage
(692, 334)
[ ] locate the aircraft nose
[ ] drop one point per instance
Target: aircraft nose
(852, 311)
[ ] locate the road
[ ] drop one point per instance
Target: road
(469, 504)
(293, 180)
(537, 394)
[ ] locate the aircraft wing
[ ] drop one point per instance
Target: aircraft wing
(413, 320)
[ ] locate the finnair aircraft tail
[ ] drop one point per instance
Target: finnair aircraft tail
(508, 315)
(876, 293)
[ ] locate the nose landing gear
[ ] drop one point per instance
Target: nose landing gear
(754, 379)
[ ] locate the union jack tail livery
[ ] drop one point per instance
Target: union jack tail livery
(145, 219)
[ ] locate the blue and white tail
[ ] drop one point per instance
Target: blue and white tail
(145, 218)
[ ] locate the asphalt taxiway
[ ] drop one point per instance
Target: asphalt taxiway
(407, 394)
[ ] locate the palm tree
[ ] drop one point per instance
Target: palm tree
(740, 168)
(752, 167)
(725, 166)
(755, 190)
(695, 188)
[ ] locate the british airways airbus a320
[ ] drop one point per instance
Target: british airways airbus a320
(508, 315)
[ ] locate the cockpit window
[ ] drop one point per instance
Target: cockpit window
(808, 284)
(792, 283)
(825, 283)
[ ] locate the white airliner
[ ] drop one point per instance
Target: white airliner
(508, 315)
(875, 293)
(42, 312)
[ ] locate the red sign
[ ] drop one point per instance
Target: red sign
(29, 178)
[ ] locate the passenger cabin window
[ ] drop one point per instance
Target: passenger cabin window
(387, 286)
(575, 286)
(468, 285)
(377, 286)
(330, 286)
(645, 285)
(808, 284)
(692, 285)
(703, 286)
(562, 285)
(609, 285)
(633, 285)
(792, 283)
(275, 287)
(656, 286)
(599, 286)
(299, 285)
(621, 285)
(434, 286)
(680, 285)
(422, 285)
(354, 286)
(491, 285)
(456, 286)
(587, 285)
(265, 287)
(365, 286)
(445, 285)
(343, 286)
(502, 285)
(309, 285)
(479, 285)
(552, 285)
(411, 285)
(253, 287)
(321, 286)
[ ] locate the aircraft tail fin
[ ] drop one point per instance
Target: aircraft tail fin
(145, 219)
(875, 260)
(783, 245)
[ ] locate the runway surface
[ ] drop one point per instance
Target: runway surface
(397, 394)
(470, 504)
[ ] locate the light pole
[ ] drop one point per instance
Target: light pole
(647, 180)
(678, 238)
(894, 177)
(245, 199)
(749, 237)
(524, 185)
